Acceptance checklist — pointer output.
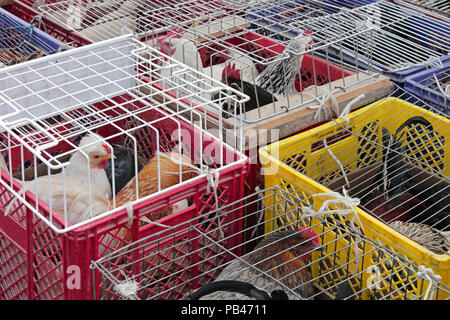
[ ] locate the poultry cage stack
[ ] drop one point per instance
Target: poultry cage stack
(90, 163)
(432, 86)
(20, 41)
(222, 40)
(402, 41)
(393, 157)
(322, 256)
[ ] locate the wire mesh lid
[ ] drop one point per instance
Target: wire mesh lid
(442, 7)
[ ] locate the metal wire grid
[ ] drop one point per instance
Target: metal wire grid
(47, 105)
(411, 186)
(221, 32)
(20, 42)
(162, 266)
(400, 38)
(437, 6)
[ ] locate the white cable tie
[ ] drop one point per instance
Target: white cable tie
(348, 203)
(337, 161)
(427, 274)
(444, 92)
(129, 210)
(148, 221)
(373, 281)
(321, 102)
(432, 62)
(348, 108)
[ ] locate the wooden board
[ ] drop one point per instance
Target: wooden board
(291, 121)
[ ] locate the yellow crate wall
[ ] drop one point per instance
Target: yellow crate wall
(293, 175)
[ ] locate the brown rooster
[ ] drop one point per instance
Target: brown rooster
(281, 255)
(148, 180)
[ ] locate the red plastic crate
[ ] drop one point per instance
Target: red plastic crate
(38, 263)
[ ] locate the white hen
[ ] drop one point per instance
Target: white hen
(3, 165)
(73, 185)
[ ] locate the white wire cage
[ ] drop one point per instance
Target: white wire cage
(177, 261)
(20, 41)
(214, 35)
(95, 93)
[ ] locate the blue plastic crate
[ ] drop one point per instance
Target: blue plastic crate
(19, 40)
(410, 31)
(425, 86)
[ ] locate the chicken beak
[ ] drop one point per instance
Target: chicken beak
(109, 156)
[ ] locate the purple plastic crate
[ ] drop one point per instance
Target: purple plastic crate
(431, 85)
(19, 40)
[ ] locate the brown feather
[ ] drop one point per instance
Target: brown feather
(148, 184)
(148, 177)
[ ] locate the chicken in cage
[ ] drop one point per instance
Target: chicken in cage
(225, 42)
(392, 156)
(20, 41)
(432, 86)
(84, 150)
(319, 257)
(400, 41)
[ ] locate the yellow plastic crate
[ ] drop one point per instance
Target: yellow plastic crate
(304, 166)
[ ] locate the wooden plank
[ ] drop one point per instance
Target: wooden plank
(287, 123)
(294, 120)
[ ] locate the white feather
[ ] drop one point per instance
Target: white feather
(79, 166)
(74, 186)
(3, 165)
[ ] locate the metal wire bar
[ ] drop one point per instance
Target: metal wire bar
(223, 32)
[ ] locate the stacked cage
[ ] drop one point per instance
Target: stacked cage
(209, 36)
(90, 163)
(393, 157)
(322, 254)
(226, 41)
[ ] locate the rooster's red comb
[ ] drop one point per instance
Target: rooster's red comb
(176, 33)
(310, 234)
(230, 71)
(108, 150)
(307, 33)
